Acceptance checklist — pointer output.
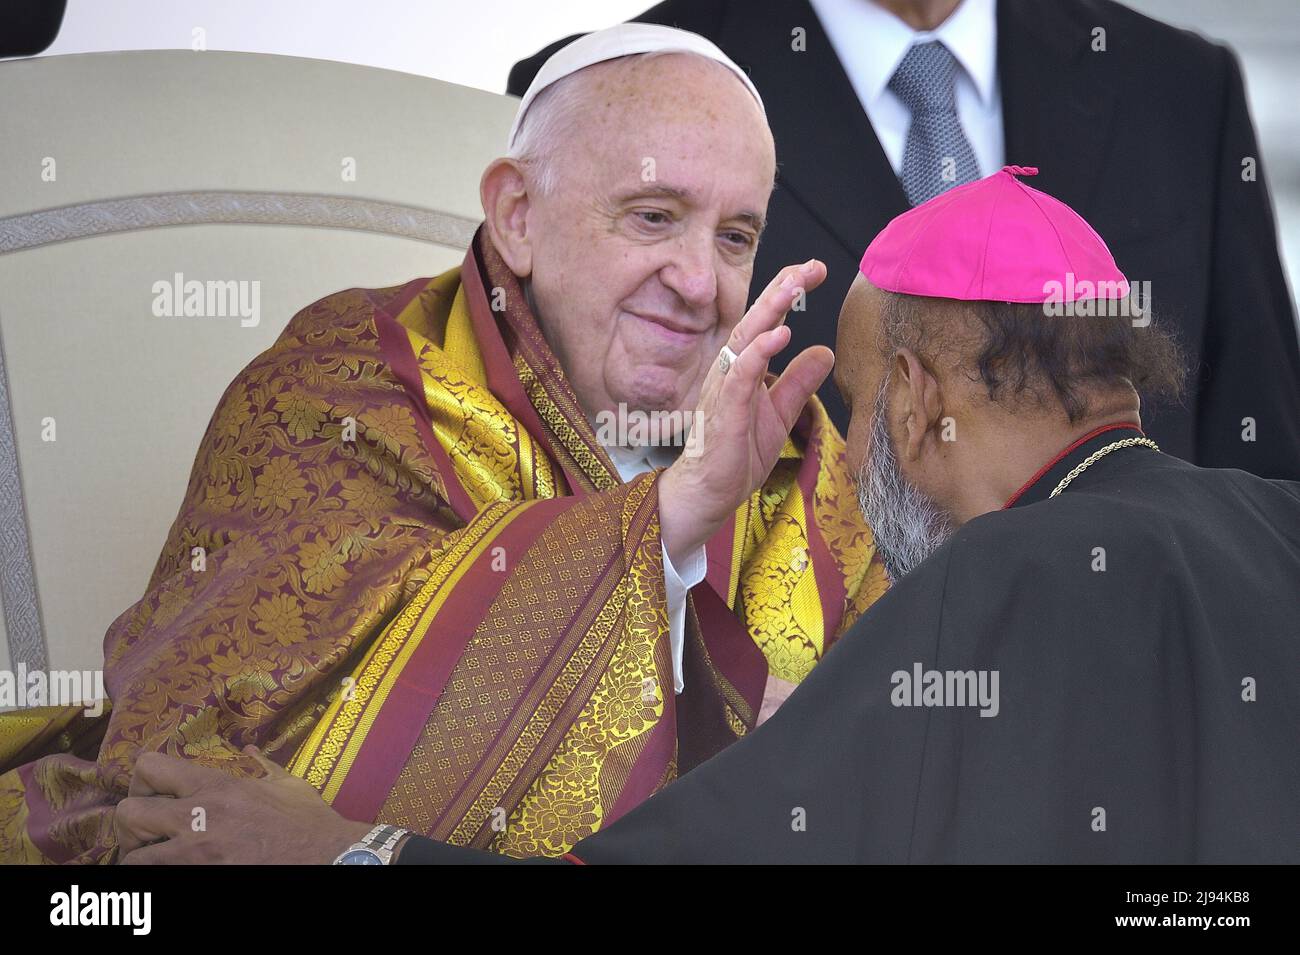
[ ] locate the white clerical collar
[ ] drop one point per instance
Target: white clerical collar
(633, 461)
(872, 42)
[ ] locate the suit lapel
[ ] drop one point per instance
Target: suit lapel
(1057, 108)
(829, 158)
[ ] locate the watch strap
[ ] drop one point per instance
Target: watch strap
(381, 840)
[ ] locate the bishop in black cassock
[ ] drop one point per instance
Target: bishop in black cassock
(1091, 653)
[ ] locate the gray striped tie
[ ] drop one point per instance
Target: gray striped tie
(937, 156)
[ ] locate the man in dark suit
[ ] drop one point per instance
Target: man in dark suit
(1142, 128)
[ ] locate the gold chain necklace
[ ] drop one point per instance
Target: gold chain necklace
(1097, 456)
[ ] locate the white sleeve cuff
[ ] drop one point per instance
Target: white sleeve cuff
(677, 583)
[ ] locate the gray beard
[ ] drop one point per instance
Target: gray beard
(907, 525)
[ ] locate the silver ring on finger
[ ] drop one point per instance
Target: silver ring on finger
(726, 358)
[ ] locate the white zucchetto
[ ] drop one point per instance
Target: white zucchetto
(625, 39)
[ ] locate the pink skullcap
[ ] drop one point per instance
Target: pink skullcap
(996, 240)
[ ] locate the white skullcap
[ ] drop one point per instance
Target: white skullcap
(626, 39)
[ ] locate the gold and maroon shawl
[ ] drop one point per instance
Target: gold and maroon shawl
(406, 569)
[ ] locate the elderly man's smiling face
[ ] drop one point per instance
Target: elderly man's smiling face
(639, 256)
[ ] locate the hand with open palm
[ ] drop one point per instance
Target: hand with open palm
(744, 421)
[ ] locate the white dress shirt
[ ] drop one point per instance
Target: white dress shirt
(678, 581)
(870, 43)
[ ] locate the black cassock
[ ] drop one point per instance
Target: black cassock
(1144, 629)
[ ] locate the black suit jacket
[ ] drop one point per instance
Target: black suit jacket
(1145, 140)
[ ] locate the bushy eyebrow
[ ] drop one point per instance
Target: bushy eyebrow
(754, 220)
(750, 217)
(657, 191)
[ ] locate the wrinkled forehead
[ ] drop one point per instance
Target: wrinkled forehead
(672, 80)
(661, 104)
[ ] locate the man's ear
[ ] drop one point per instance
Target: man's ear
(919, 401)
(503, 190)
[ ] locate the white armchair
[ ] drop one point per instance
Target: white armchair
(123, 170)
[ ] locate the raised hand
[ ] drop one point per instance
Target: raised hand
(744, 422)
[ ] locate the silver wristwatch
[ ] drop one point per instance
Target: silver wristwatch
(375, 848)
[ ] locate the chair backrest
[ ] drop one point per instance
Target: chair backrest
(291, 178)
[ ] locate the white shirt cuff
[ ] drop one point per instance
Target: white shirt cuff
(677, 583)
